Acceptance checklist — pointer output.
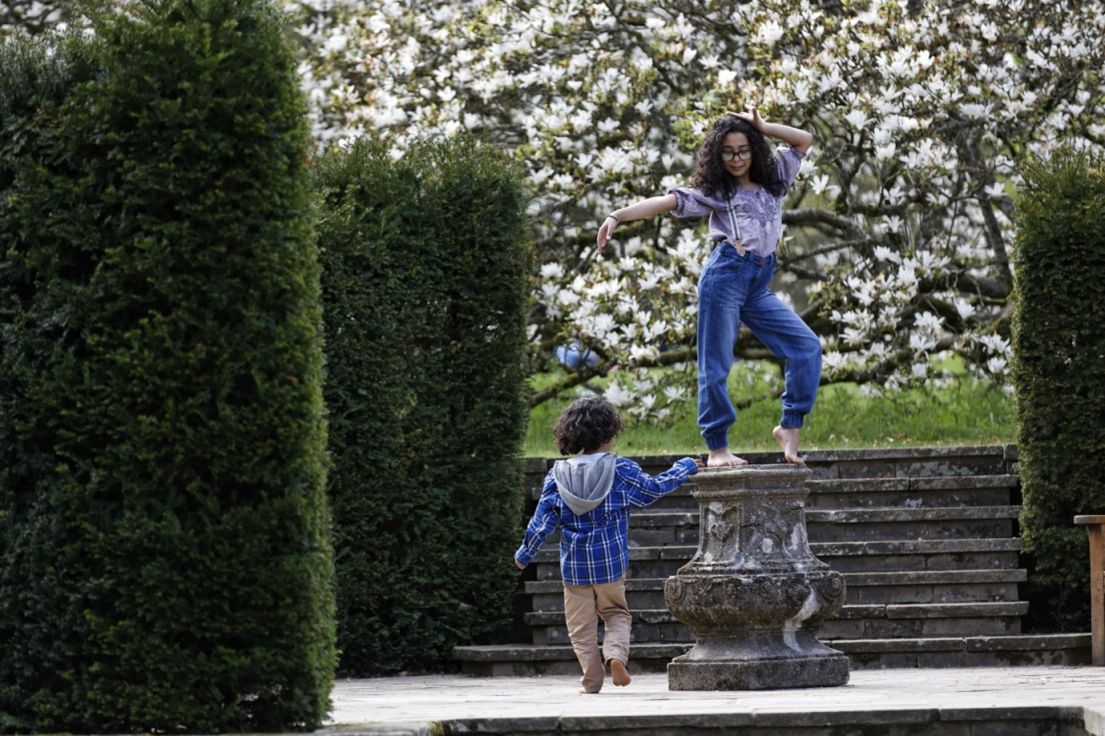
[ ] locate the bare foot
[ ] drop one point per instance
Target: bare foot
(788, 440)
(722, 458)
(619, 675)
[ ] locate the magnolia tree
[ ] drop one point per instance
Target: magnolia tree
(898, 231)
(899, 228)
(30, 16)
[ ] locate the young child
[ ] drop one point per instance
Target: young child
(740, 184)
(589, 497)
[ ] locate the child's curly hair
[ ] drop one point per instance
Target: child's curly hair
(710, 175)
(586, 424)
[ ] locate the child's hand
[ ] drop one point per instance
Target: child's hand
(698, 463)
(752, 117)
(605, 231)
(519, 565)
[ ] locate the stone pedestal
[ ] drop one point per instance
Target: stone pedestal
(754, 594)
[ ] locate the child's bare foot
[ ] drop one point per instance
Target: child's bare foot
(722, 458)
(788, 440)
(619, 675)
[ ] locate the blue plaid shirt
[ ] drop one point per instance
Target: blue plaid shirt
(594, 547)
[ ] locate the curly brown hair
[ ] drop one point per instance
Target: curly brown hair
(710, 175)
(586, 425)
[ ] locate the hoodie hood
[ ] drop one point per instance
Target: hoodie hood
(585, 482)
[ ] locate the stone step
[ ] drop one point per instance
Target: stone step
(968, 651)
(852, 622)
(920, 554)
(949, 720)
(909, 462)
(906, 462)
(924, 586)
(880, 524)
(980, 490)
(908, 554)
(915, 492)
(953, 491)
(662, 528)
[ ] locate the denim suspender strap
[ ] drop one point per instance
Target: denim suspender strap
(734, 224)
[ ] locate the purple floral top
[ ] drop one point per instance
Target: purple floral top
(758, 215)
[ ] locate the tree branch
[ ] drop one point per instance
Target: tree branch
(802, 273)
(832, 247)
(969, 147)
(811, 216)
(884, 368)
(964, 282)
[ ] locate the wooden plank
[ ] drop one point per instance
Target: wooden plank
(1097, 593)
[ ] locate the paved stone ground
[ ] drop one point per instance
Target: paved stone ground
(402, 704)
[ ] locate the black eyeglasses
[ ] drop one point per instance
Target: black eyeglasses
(744, 154)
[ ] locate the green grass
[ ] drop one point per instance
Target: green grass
(964, 413)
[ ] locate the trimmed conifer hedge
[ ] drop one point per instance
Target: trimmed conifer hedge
(425, 265)
(1059, 374)
(165, 561)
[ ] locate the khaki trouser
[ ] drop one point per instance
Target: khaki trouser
(583, 605)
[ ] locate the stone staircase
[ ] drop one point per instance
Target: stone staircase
(926, 539)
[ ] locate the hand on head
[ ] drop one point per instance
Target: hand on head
(752, 117)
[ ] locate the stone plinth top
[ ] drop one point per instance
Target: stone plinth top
(772, 470)
(1090, 519)
(777, 478)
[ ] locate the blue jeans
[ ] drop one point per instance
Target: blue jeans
(731, 290)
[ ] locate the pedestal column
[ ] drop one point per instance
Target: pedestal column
(754, 595)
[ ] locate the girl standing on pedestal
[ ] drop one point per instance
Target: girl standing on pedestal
(740, 184)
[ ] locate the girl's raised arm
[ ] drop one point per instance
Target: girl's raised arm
(793, 137)
(637, 211)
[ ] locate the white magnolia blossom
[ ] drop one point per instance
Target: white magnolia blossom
(31, 16)
(899, 227)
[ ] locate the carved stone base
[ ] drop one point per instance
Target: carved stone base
(759, 674)
(754, 595)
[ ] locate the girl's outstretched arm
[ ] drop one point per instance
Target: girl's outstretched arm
(636, 211)
(793, 137)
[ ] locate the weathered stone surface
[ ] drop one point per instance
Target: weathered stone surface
(936, 620)
(648, 593)
(413, 728)
(953, 513)
(912, 462)
(753, 595)
(838, 551)
(1095, 718)
(984, 490)
(1051, 649)
(896, 606)
(838, 525)
(757, 669)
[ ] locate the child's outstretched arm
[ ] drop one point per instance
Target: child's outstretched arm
(645, 489)
(637, 211)
(545, 520)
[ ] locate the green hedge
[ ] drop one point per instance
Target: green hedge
(425, 269)
(164, 554)
(1059, 374)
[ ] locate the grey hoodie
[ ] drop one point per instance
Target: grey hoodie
(585, 481)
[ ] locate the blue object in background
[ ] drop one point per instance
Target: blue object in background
(573, 355)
